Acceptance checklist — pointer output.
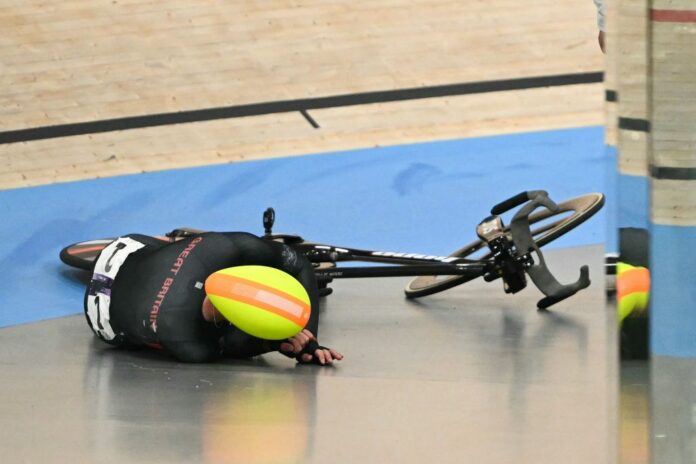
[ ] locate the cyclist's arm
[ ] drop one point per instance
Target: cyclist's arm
(184, 335)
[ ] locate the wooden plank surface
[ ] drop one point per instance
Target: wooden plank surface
(632, 83)
(674, 117)
(285, 134)
(81, 61)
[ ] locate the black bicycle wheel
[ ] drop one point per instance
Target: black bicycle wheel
(571, 213)
(82, 255)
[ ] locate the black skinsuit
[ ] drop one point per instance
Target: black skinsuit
(157, 294)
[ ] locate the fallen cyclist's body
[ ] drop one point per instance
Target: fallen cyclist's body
(146, 292)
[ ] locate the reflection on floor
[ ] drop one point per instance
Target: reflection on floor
(634, 412)
(468, 375)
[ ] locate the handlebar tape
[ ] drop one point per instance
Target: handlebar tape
(510, 203)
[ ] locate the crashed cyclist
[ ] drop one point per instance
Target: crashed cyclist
(148, 292)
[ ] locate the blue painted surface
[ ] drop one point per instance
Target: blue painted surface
(424, 198)
(673, 293)
(633, 196)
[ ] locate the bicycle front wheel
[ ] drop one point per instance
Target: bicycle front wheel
(548, 227)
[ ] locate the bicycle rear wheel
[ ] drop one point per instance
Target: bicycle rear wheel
(82, 255)
(550, 226)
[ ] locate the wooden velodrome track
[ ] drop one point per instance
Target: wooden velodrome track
(101, 88)
(77, 62)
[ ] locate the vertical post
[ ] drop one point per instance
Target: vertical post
(631, 62)
(632, 189)
(611, 128)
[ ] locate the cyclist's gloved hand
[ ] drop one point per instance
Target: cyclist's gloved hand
(305, 348)
(314, 353)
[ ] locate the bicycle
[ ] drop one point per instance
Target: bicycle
(509, 252)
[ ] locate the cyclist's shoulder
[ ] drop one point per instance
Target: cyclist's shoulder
(232, 235)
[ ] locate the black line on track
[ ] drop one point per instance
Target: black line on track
(611, 96)
(632, 124)
(309, 119)
(286, 106)
(668, 173)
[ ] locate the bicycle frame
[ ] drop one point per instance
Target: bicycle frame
(403, 264)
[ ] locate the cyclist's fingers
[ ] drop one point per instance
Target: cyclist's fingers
(335, 354)
(320, 356)
(296, 345)
(286, 346)
(308, 334)
(327, 356)
(306, 357)
(302, 338)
